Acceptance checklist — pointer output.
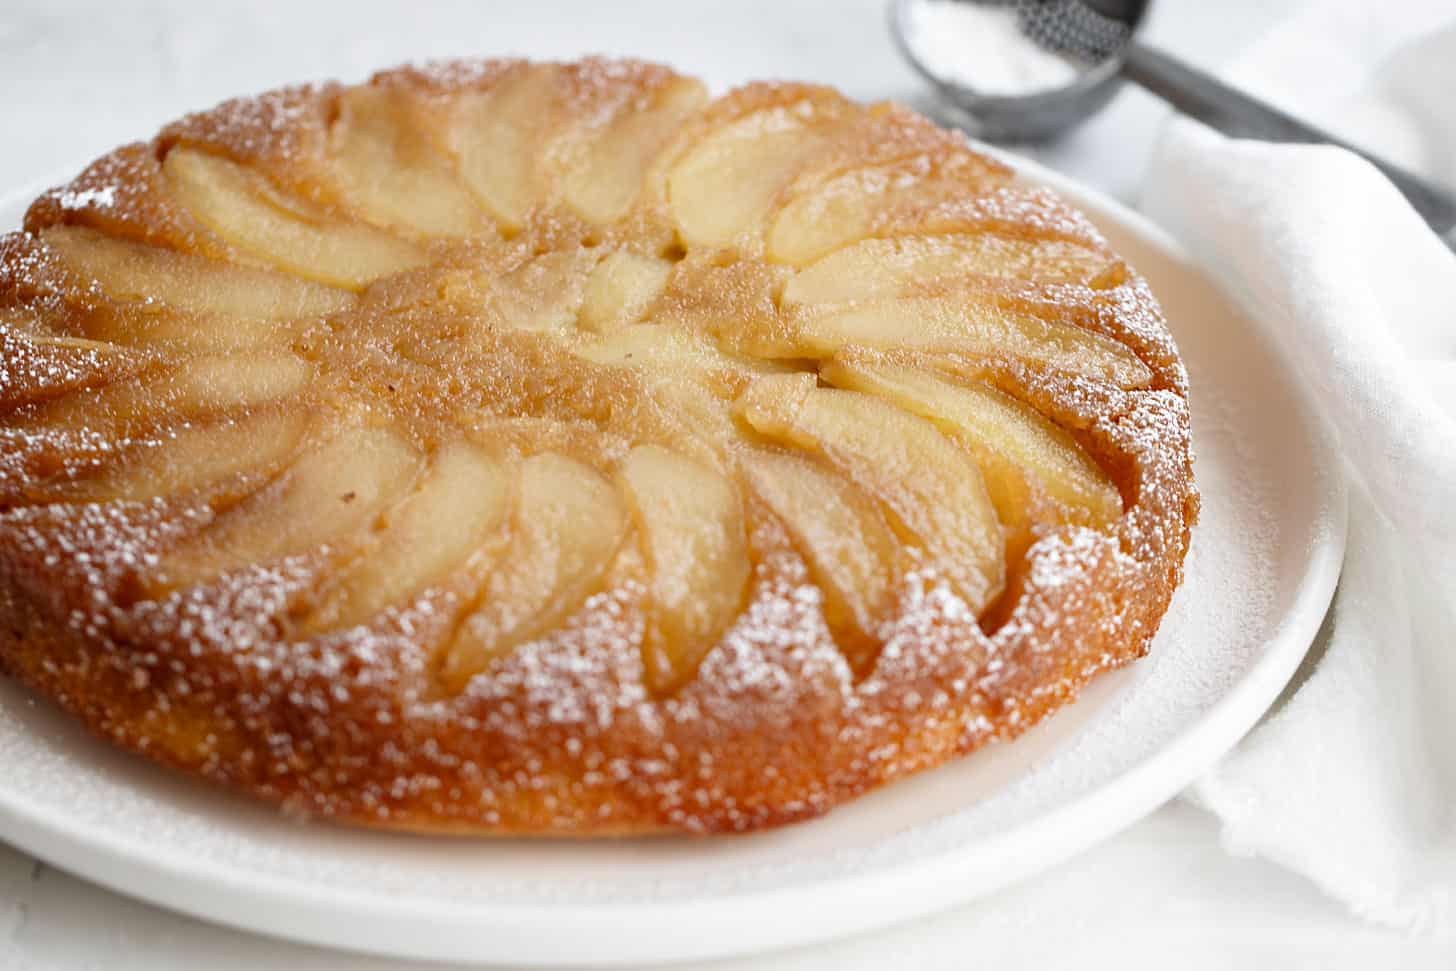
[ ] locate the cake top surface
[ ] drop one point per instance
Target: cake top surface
(512, 419)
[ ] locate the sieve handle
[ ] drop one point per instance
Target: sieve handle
(1209, 100)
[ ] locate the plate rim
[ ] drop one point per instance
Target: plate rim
(517, 931)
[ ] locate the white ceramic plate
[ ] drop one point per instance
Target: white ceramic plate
(1260, 575)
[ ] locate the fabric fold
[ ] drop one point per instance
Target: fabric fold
(1353, 781)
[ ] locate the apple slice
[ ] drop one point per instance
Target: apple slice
(879, 200)
(879, 268)
(66, 342)
(853, 555)
(969, 323)
(608, 178)
(567, 527)
(196, 456)
(38, 368)
(932, 488)
(431, 534)
(668, 353)
(499, 135)
(331, 494)
(389, 169)
(211, 383)
(23, 320)
(696, 547)
(134, 272)
(620, 290)
(690, 380)
(818, 222)
(727, 183)
(194, 387)
(146, 327)
(543, 294)
(654, 347)
(248, 212)
(1016, 437)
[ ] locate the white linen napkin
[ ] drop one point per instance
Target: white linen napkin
(1353, 781)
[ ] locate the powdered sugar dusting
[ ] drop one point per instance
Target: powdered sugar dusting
(1266, 504)
(228, 670)
(87, 198)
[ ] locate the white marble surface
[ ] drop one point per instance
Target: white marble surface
(80, 76)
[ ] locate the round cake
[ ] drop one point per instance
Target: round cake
(524, 448)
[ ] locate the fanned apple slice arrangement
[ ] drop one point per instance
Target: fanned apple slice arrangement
(490, 372)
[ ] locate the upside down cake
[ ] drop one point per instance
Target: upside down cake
(503, 447)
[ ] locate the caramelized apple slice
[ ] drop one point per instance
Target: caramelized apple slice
(709, 433)
(390, 170)
(330, 495)
(567, 527)
(65, 342)
(193, 333)
(36, 368)
(880, 200)
(620, 290)
(543, 294)
(499, 135)
(932, 487)
(193, 387)
(196, 456)
(877, 268)
(22, 320)
(657, 348)
(242, 208)
(818, 222)
(129, 271)
(696, 546)
(727, 183)
(689, 380)
(994, 422)
(968, 324)
(853, 554)
(604, 183)
(220, 382)
(462, 501)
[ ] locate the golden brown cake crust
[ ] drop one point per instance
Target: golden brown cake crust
(236, 677)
